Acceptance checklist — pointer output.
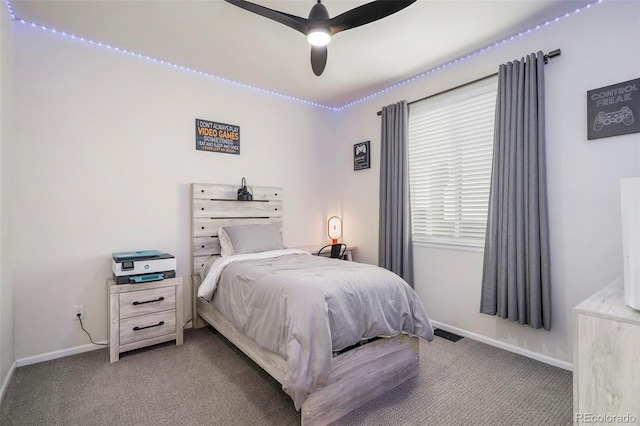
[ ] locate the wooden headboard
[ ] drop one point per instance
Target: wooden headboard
(215, 205)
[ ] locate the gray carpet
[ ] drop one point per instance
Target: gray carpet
(207, 381)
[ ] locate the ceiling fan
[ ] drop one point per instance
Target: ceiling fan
(319, 27)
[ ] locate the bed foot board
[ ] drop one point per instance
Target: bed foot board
(361, 375)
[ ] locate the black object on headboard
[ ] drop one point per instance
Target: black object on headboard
(243, 192)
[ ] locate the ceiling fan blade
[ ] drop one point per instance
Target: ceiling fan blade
(319, 21)
(366, 13)
(318, 59)
(291, 21)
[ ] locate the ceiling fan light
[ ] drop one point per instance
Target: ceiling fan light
(319, 37)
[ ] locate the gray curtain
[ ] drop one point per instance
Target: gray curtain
(516, 281)
(394, 240)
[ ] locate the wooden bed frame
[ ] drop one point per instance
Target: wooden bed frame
(358, 376)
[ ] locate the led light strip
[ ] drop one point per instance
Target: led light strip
(292, 98)
(160, 61)
(11, 13)
(463, 57)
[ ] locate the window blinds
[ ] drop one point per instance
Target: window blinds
(450, 152)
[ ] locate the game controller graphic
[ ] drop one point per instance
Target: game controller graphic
(625, 115)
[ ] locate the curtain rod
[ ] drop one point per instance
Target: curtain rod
(548, 56)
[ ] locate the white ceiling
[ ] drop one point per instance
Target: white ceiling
(223, 40)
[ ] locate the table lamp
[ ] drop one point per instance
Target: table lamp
(334, 228)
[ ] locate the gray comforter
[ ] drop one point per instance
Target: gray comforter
(305, 307)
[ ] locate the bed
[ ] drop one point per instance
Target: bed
(333, 384)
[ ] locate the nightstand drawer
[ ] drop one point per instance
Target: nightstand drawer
(147, 326)
(147, 301)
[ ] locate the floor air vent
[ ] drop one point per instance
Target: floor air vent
(446, 335)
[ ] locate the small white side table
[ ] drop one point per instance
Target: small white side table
(144, 314)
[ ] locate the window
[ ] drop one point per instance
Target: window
(450, 151)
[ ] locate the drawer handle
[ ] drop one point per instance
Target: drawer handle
(159, 299)
(149, 326)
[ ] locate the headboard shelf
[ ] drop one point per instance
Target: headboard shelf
(215, 205)
(230, 192)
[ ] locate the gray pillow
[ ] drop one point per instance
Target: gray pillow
(241, 239)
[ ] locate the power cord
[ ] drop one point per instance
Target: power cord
(90, 339)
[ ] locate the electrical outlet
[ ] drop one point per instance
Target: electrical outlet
(78, 309)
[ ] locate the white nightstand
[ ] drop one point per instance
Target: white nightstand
(144, 314)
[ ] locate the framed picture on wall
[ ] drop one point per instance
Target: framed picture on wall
(361, 157)
(613, 110)
(217, 137)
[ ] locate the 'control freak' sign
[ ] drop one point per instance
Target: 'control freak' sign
(613, 110)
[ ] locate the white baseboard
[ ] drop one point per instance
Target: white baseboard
(436, 324)
(58, 354)
(61, 353)
(515, 349)
(5, 382)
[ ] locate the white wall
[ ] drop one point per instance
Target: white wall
(7, 356)
(106, 154)
(600, 46)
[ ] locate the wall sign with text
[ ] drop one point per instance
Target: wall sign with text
(361, 157)
(613, 110)
(217, 137)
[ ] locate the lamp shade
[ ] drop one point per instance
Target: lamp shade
(334, 228)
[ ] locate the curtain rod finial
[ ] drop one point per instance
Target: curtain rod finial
(551, 54)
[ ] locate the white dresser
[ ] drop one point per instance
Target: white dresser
(606, 359)
(144, 314)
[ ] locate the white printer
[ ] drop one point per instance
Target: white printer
(131, 267)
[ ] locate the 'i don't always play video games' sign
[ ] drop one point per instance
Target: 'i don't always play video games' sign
(217, 137)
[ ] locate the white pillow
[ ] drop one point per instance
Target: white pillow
(242, 239)
(226, 248)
